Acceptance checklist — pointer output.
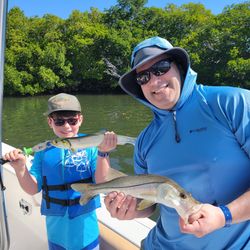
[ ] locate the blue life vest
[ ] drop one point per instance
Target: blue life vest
(58, 197)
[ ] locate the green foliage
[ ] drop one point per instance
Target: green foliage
(234, 46)
(89, 50)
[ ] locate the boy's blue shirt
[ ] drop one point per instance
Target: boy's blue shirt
(211, 161)
(70, 233)
(75, 233)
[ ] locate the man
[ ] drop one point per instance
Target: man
(199, 137)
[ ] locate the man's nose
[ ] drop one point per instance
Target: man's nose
(154, 79)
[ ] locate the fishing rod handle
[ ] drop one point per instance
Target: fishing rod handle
(26, 151)
(2, 161)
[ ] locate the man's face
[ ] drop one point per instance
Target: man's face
(162, 91)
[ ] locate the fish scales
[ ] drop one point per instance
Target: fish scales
(131, 182)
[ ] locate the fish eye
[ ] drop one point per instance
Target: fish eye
(183, 196)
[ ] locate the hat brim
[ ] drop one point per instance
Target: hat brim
(47, 113)
(128, 80)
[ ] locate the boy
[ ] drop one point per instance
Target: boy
(69, 225)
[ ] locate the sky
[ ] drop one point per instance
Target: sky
(63, 8)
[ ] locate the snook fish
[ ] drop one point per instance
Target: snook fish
(75, 143)
(150, 188)
(94, 140)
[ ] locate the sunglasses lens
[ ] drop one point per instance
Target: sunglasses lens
(158, 69)
(72, 121)
(143, 77)
(161, 68)
(61, 122)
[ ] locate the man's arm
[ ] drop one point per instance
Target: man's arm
(240, 208)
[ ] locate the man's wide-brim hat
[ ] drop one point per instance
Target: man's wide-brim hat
(146, 51)
(63, 102)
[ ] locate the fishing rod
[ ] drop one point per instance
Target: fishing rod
(30, 151)
(4, 231)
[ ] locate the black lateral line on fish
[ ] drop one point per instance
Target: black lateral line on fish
(128, 186)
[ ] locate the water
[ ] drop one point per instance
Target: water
(24, 124)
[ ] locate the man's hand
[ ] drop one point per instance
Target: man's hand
(205, 221)
(120, 206)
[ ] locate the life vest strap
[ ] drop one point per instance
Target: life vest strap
(64, 187)
(61, 187)
(61, 202)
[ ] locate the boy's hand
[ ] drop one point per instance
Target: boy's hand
(16, 158)
(109, 142)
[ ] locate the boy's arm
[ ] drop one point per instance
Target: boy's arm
(18, 161)
(102, 169)
(103, 163)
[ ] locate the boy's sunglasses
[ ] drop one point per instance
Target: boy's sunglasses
(158, 69)
(61, 121)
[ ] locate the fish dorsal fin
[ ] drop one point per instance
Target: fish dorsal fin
(113, 174)
(102, 131)
(144, 204)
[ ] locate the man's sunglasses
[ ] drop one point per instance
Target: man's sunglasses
(61, 121)
(158, 69)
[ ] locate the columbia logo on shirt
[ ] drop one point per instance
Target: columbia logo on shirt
(198, 130)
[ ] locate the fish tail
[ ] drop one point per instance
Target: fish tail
(131, 140)
(86, 194)
(122, 140)
(80, 187)
(85, 198)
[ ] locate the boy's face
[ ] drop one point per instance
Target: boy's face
(65, 126)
